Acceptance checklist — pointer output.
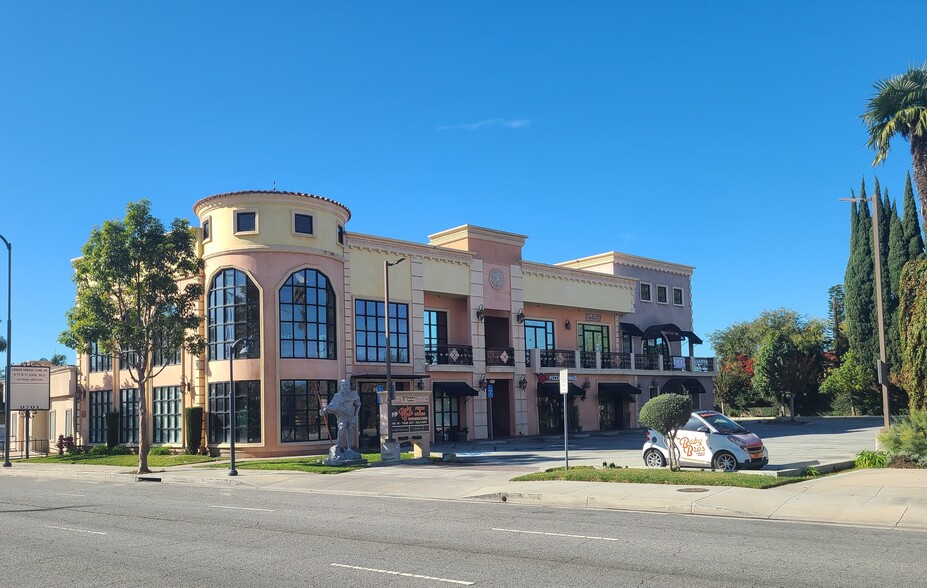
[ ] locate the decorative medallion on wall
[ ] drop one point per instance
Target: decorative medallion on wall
(496, 278)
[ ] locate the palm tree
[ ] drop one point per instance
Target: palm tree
(900, 107)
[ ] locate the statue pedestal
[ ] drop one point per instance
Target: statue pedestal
(339, 457)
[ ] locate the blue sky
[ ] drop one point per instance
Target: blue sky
(713, 134)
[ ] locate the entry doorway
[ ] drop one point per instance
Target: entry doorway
(501, 405)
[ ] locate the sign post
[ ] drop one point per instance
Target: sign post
(565, 392)
(489, 405)
(30, 390)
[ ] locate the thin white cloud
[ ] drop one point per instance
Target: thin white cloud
(519, 123)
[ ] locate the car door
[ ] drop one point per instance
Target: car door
(693, 443)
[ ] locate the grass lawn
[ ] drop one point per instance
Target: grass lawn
(659, 476)
(154, 461)
(312, 464)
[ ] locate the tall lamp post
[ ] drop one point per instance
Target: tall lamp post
(9, 342)
(233, 428)
(390, 392)
(880, 365)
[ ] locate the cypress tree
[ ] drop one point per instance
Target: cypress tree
(910, 222)
(897, 257)
(860, 291)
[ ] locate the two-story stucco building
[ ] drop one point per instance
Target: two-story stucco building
(480, 330)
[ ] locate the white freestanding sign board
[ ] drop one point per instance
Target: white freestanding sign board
(30, 387)
(564, 381)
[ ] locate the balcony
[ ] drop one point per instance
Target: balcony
(558, 358)
(500, 356)
(449, 354)
(631, 362)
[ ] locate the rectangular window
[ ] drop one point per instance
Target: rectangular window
(299, 410)
(302, 224)
(101, 402)
(207, 230)
(645, 292)
(435, 335)
(626, 346)
(128, 415)
(68, 423)
(538, 335)
(245, 222)
(247, 412)
(162, 356)
(167, 404)
(593, 338)
(677, 296)
(100, 361)
(370, 331)
(661, 294)
(341, 234)
(52, 426)
(127, 358)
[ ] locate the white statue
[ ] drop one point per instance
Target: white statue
(345, 405)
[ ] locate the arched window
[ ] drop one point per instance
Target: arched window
(233, 310)
(307, 316)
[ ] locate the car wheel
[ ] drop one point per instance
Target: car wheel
(654, 459)
(724, 461)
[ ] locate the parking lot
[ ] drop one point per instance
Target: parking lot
(806, 442)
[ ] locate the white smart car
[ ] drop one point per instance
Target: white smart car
(708, 440)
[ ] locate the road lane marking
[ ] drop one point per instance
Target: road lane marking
(75, 530)
(404, 574)
(558, 534)
(63, 494)
(242, 508)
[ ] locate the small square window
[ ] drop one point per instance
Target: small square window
(302, 224)
(677, 296)
(661, 294)
(645, 292)
(207, 230)
(245, 222)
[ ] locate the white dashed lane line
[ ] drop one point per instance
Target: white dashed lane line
(75, 530)
(558, 534)
(242, 508)
(403, 574)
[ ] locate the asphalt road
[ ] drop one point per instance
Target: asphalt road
(77, 533)
(807, 442)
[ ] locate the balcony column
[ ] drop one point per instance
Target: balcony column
(660, 365)
(598, 360)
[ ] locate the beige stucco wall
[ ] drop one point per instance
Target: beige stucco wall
(540, 289)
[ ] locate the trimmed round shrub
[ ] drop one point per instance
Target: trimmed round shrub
(666, 412)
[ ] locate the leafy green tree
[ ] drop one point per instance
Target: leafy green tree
(666, 414)
(790, 360)
(899, 107)
(912, 318)
(851, 387)
(910, 225)
(129, 296)
(57, 359)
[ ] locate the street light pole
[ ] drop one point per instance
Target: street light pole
(390, 392)
(877, 254)
(9, 343)
(233, 429)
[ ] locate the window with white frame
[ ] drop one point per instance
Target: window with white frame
(646, 296)
(661, 295)
(677, 296)
(207, 230)
(246, 221)
(302, 224)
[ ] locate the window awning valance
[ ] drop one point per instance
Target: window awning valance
(455, 389)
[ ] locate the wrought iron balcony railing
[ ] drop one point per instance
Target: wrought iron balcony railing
(500, 356)
(449, 354)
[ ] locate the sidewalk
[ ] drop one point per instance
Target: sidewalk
(887, 498)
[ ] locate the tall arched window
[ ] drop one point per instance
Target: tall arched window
(234, 312)
(307, 316)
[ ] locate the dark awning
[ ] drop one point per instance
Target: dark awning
(682, 386)
(692, 337)
(455, 389)
(553, 389)
(668, 331)
(617, 388)
(382, 377)
(631, 329)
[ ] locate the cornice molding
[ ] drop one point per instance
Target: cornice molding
(577, 275)
(373, 243)
(475, 232)
(634, 261)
